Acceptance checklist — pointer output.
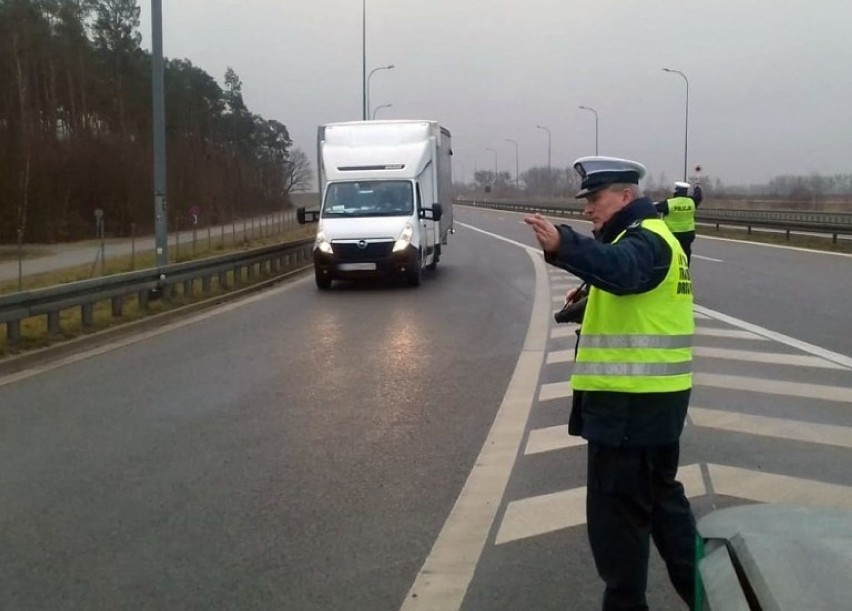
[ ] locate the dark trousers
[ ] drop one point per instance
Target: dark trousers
(686, 239)
(633, 496)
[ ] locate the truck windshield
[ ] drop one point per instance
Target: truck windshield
(368, 198)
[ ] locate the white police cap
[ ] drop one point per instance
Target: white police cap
(682, 185)
(600, 172)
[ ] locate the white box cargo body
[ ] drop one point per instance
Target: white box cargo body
(387, 201)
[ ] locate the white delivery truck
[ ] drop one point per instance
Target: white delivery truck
(387, 202)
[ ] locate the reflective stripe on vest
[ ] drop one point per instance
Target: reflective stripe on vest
(681, 216)
(639, 343)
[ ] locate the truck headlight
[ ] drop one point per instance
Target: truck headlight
(322, 244)
(404, 238)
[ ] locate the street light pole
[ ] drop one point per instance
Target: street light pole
(161, 229)
(377, 108)
(515, 142)
(493, 150)
(372, 72)
(596, 125)
(548, 147)
(686, 127)
(363, 60)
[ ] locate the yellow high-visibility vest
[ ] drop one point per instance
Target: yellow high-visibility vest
(681, 216)
(639, 343)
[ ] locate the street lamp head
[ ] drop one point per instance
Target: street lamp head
(390, 67)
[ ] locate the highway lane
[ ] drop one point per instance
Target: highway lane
(299, 452)
(213, 466)
(806, 294)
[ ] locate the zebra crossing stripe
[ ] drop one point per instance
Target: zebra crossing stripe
(764, 426)
(540, 515)
(773, 358)
(766, 487)
(564, 330)
(841, 394)
(551, 438)
(556, 390)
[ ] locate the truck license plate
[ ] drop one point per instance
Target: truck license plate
(357, 267)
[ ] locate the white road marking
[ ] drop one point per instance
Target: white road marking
(694, 256)
(841, 394)
(764, 426)
(796, 248)
(548, 513)
(774, 358)
(772, 488)
(834, 357)
(564, 330)
(560, 356)
(728, 333)
(551, 438)
(444, 578)
(701, 316)
(556, 390)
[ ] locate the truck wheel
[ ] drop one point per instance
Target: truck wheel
(323, 280)
(435, 258)
(413, 273)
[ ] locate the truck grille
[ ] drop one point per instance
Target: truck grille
(349, 251)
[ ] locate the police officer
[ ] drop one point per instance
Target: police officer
(631, 379)
(679, 213)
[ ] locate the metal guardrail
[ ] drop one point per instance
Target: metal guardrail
(52, 301)
(832, 223)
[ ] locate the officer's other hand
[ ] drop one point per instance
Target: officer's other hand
(572, 295)
(545, 232)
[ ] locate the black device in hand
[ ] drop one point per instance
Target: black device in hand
(573, 310)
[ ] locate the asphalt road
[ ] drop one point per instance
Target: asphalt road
(319, 450)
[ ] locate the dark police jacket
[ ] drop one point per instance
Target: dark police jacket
(637, 263)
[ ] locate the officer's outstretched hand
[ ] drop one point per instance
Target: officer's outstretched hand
(545, 232)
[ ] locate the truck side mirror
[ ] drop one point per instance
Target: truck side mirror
(306, 216)
(434, 213)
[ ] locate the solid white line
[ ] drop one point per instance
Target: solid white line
(551, 438)
(842, 394)
(444, 578)
(774, 358)
(707, 258)
(780, 428)
(556, 390)
(828, 355)
(796, 248)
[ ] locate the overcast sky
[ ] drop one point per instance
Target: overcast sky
(769, 80)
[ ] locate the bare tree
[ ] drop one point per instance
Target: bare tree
(298, 171)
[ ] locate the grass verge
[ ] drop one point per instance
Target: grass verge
(34, 334)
